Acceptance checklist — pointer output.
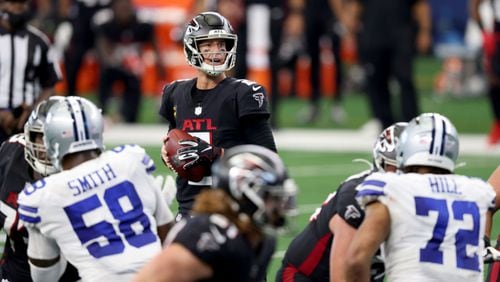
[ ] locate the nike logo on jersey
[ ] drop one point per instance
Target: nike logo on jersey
(259, 97)
(352, 212)
(256, 87)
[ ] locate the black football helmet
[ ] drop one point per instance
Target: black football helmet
(384, 150)
(256, 178)
(209, 25)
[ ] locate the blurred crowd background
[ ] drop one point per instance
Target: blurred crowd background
(295, 48)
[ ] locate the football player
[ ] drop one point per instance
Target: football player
(102, 211)
(230, 238)
(431, 221)
(23, 160)
(318, 252)
(221, 111)
(492, 255)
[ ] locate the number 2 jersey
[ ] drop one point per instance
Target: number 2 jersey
(102, 215)
(437, 224)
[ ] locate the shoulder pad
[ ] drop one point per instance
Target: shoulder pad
(254, 86)
(137, 152)
(29, 201)
(18, 138)
(371, 188)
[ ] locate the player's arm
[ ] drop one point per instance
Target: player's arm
(343, 234)
(372, 232)
(175, 263)
(163, 215)
(494, 181)
(257, 130)
(46, 264)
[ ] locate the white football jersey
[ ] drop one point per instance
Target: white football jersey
(437, 224)
(102, 215)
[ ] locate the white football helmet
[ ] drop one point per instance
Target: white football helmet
(72, 126)
(35, 152)
(384, 150)
(209, 25)
(429, 140)
(256, 178)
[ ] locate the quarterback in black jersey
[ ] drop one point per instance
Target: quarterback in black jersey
(229, 238)
(21, 162)
(318, 252)
(220, 110)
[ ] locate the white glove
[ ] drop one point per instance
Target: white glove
(490, 255)
(167, 186)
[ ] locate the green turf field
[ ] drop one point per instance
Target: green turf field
(318, 174)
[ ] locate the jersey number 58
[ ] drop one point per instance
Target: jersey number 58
(128, 218)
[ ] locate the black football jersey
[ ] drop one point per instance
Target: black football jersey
(213, 115)
(15, 172)
(217, 242)
(309, 251)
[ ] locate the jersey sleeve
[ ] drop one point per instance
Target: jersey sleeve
(41, 247)
(163, 214)
(167, 110)
(13, 174)
(203, 239)
(372, 188)
(49, 71)
(252, 99)
(347, 206)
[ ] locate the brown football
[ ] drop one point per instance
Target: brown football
(195, 173)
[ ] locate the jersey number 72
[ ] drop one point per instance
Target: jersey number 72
(431, 252)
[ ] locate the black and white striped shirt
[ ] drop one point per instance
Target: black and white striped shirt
(27, 66)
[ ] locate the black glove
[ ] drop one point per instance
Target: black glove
(197, 152)
(490, 254)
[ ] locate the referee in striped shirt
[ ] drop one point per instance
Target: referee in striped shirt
(28, 69)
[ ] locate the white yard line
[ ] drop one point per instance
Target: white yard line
(294, 139)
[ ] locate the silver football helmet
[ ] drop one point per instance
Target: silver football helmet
(384, 150)
(429, 140)
(35, 152)
(75, 125)
(209, 25)
(256, 178)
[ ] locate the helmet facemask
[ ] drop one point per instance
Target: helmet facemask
(35, 151)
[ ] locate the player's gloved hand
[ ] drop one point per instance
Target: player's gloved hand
(490, 254)
(197, 152)
(168, 187)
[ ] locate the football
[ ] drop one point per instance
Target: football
(195, 173)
